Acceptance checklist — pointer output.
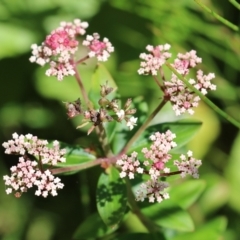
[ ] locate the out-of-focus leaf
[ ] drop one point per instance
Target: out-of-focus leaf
(111, 197)
(141, 236)
(12, 45)
(232, 174)
(216, 193)
(184, 130)
(168, 214)
(186, 193)
(100, 77)
(93, 227)
(212, 230)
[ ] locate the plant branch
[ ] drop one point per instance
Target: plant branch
(82, 166)
(82, 60)
(157, 81)
(103, 140)
(80, 84)
(204, 98)
(143, 127)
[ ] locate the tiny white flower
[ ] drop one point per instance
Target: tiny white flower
(131, 122)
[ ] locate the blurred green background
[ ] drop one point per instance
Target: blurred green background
(30, 102)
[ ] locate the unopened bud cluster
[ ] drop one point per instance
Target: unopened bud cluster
(109, 110)
(155, 166)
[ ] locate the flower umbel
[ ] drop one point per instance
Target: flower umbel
(29, 144)
(99, 49)
(153, 60)
(26, 175)
(58, 49)
(155, 166)
(29, 173)
(184, 99)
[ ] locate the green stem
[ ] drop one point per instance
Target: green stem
(235, 4)
(204, 98)
(143, 127)
(82, 60)
(137, 211)
(80, 84)
(221, 19)
(98, 161)
(157, 81)
(103, 140)
(77, 168)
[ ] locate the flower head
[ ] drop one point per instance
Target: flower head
(186, 61)
(153, 60)
(99, 49)
(26, 175)
(155, 167)
(22, 144)
(153, 190)
(188, 165)
(130, 165)
(58, 48)
(184, 99)
(30, 173)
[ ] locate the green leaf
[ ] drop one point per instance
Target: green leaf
(184, 130)
(110, 128)
(92, 227)
(187, 192)
(12, 45)
(111, 197)
(212, 230)
(75, 156)
(216, 195)
(167, 214)
(101, 76)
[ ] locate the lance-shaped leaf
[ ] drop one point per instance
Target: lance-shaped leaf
(111, 197)
(93, 227)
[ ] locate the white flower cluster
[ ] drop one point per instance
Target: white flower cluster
(29, 173)
(99, 49)
(26, 175)
(153, 60)
(154, 165)
(58, 49)
(22, 144)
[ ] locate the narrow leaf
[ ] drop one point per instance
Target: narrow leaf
(221, 19)
(167, 214)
